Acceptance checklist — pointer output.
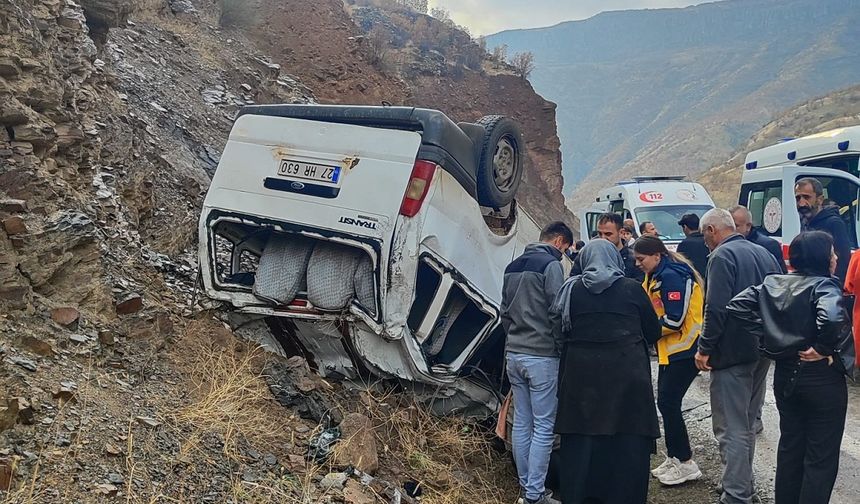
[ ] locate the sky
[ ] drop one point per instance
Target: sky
(484, 17)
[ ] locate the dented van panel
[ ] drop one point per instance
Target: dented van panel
(303, 222)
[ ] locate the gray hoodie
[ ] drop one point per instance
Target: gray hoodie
(531, 284)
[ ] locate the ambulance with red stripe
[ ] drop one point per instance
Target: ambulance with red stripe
(660, 200)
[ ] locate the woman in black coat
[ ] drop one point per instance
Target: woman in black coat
(606, 413)
(804, 327)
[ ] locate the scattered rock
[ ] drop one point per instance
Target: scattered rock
(147, 421)
(8, 415)
(26, 415)
(182, 7)
(116, 479)
(106, 489)
(270, 459)
(131, 303)
(357, 446)
(112, 449)
(158, 107)
(5, 474)
(37, 346)
(355, 493)
(66, 391)
(106, 338)
(78, 338)
(334, 481)
(14, 225)
(13, 205)
(65, 316)
(24, 363)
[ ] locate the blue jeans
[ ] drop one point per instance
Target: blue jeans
(534, 382)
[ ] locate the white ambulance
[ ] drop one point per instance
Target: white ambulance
(660, 200)
(767, 184)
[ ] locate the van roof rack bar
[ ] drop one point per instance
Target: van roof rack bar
(649, 178)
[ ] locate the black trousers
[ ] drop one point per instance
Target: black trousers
(605, 469)
(812, 399)
(673, 381)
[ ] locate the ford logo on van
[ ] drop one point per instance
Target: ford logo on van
(651, 196)
(298, 186)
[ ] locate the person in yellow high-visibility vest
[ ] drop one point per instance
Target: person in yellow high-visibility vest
(675, 289)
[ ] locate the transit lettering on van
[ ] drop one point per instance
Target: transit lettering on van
(357, 222)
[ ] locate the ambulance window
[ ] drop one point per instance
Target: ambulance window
(590, 224)
(842, 194)
(764, 201)
(616, 207)
(848, 164)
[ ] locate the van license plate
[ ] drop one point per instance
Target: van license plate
(309, 171)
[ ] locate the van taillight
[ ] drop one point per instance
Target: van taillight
(416, 191)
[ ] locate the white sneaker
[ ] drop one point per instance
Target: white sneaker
(680, 472)
(662, 468)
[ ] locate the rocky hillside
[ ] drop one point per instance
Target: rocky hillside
(672, 91)
(116, 380)
(375, 51)
(835, 110)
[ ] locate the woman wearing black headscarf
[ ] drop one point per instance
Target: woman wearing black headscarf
(606, 413)
(804, 326)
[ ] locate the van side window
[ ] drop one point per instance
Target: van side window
(760, 196)
(842, 194)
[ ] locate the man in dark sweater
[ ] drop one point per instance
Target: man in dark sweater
(693, 247)
(609, 226)
(809, 197)
(738, 374)
(531, 349)
(743, 224)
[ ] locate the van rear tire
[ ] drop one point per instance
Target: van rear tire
(500, 169)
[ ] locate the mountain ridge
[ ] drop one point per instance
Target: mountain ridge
(674, 91)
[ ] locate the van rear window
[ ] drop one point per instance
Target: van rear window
(764, 200)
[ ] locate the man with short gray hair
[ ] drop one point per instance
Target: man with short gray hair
(744, 225)
(738, 372)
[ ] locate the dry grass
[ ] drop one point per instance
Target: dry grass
(229, 391)
(452, 458)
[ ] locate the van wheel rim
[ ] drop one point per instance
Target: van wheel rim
(504, 165)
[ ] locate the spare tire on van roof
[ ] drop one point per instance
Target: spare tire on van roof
(500, 169)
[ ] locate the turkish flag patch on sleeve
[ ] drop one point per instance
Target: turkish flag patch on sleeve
(674, 296)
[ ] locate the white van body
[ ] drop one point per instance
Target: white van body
(770, 173)
(436, 272)
(661, 200)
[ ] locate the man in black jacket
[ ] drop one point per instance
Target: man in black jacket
(609, 227)
(809, 197)
(693, 247)
(743, 224)
(737, 372)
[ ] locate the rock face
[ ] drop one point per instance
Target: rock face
(106, 14)
(329, 52)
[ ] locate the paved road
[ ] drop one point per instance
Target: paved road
(847, 489)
